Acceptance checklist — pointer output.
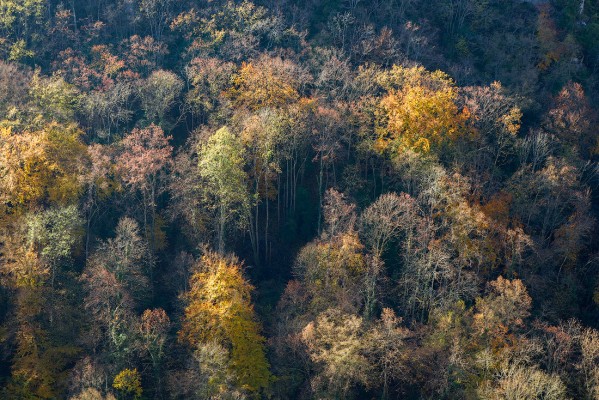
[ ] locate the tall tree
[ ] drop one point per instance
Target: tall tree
(220, 164)
(220, 309)
(145, 158)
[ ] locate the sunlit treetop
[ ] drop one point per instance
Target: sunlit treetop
(42, 166)
(419, 111)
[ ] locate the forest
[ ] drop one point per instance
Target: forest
(299, 199)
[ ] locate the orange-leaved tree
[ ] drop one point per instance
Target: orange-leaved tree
(419, 111)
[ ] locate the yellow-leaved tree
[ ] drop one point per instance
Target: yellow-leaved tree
(266, 83)
(220, 310)
(419, 112)
(41, 166)
(128, 381)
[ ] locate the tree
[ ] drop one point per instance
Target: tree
(40, 166)
(429, 279)
(386, 348)
(145, 157)
(54, 233)
(55, 99)
(219, 310)
(209, 78)
(92, 394)
(504, 309)
(207, 376)
(159, 94)
(21, 20)
(153, 329)
(158, 14)
(545, 199)
(326, 145)
(110, 306)
(333, 272)
(217, 381)
(88, 378)
(262, 136)
(143, 53)
(13, 92)
(21, 265)
(335, 344)
(233, 31)
(309, 138)
(29, 256)
(496, 117)
(107, 111)
(129, 382)
(187, 205)
(267, 82)
(128, 257)
(220, 165)
(339, 215)
(524, 382)
(40, 364)
(420, 111)
(116, 280)
(39, 169)
(295, 151)
(100, 182)
(589, 364)
(385, 219)
(571, 118)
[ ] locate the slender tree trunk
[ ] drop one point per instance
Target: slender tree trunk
(254, 241)
(266, 254)
(74, 14)
(145, 206)
(257, 224)
(88, 224)
(153, 225)
(221, 230)
(320, 178)
(279, 201)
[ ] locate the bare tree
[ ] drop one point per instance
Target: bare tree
(385, 219)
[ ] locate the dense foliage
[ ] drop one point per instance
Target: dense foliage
(299, 199)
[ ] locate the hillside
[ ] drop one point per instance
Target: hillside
(344, 199)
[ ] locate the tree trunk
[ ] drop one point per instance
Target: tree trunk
(221, 230)
(320, 177)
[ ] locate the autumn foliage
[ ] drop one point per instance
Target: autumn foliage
(219, 309)
(243, 199)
